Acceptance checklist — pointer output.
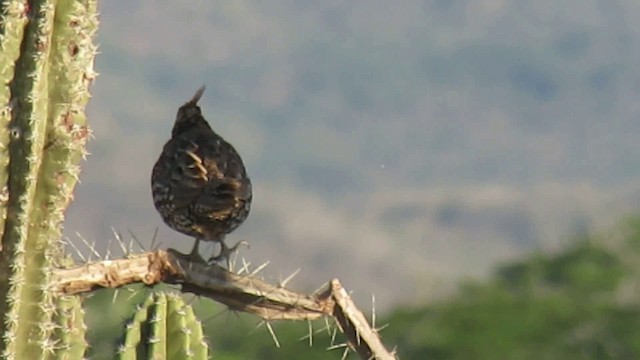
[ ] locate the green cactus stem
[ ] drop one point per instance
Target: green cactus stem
(134, 331)
(14, 18)
(70, 329)
(46, 64)
(164, 327)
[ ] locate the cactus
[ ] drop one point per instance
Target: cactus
(169, 328)
(70, 329)
(46, 66)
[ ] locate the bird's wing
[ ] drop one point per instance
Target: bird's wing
(228, 186)
(219, 199)
(188, 175)
(207, 178)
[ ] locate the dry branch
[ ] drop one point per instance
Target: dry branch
(239, 292)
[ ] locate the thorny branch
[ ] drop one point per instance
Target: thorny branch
(239, 292)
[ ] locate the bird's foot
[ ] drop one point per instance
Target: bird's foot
(195, 257)
(226, 252)
(192, 257)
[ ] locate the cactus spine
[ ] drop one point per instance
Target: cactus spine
(46, 66)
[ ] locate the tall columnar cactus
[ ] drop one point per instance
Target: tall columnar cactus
(163, 327)
(46, 66)
(70, 329)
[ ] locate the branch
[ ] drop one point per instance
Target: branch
(239, 292)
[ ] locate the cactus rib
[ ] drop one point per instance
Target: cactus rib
(172, 330)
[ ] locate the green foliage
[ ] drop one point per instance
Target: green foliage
(561, 306)
(585, 270)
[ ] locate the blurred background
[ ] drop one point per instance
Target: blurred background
(400, 147)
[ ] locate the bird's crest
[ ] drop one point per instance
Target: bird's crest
(189, 114)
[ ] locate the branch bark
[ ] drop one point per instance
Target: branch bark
(239, 292)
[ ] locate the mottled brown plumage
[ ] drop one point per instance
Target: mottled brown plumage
(200, 186)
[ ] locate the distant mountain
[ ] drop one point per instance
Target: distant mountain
(427, 139)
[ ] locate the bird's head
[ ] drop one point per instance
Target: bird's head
(189, 115)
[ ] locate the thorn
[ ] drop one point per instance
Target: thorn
(258, 326)
(153, 239)
(273, 334)
(107, 254)
(333, 336)
(223, 311)
(75, 248)
(91, 247)
(285, 281)
(134, 292)
(345, 353)
(231, 263)
(134, 237)
(245, 267)
(318, 290)
(394, 351)
(115, 296)
(373, 311)
(237, 315)
(260, 268)
(120, 242)
(337, 346)
(327, 325)
(310, 326)
(131, 246)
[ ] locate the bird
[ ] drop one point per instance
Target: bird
(199, 183)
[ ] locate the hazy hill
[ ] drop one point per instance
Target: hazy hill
(417, 140)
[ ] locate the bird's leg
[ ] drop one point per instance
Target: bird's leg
(195, 254)
(226, 252)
